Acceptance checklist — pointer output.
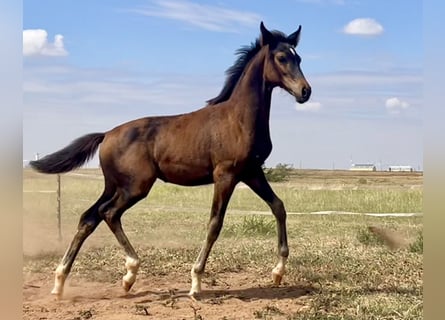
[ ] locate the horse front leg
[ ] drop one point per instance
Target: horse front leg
(259, 184)
(223, 190)
(279, 212)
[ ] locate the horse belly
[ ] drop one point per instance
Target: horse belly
(186, 175)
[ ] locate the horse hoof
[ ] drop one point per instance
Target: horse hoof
(193, 293)
(276, 278)
(126, 285)
(194, 296)
(56, 294)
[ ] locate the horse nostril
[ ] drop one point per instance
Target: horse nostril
(306, 92)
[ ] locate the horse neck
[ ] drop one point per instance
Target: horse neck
(252, 96)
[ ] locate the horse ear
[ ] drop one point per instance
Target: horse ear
(266, 36)
(294, 38)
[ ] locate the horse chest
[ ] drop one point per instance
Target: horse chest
(260, 150)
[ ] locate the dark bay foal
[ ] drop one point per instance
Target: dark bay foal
(224, 143)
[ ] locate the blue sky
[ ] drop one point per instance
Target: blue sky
(91, 65)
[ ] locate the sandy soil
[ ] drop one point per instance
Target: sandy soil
(232, 296)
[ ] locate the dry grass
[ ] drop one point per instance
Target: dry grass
(351, 274)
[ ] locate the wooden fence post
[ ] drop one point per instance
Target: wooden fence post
(59, 223)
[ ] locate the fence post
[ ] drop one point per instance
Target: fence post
(59, 224)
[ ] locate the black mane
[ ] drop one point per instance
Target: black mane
(246, 53)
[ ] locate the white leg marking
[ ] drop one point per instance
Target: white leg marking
(279, 270)
(59, 282)
(196, 282)
(132, 266)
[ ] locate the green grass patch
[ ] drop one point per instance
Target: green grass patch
(251, 225)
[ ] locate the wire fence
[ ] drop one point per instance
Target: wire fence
(59, 200)
(59, 203)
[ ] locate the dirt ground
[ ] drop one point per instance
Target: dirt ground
(232, 296)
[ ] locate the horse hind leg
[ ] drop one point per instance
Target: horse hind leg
(112, 213)
(88, 222)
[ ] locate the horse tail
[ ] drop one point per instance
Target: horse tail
(71, 157)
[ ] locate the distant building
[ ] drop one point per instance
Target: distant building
(401, 168)
(363, 167)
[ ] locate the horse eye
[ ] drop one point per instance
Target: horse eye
(281, 59)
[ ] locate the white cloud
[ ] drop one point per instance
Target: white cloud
(64, 87)
(209, 17)
(394, 105)
(308, 106)
(363, 27)
(63, 102)
(358, 94)
(35, 43)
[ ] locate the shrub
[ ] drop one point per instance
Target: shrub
(280, 173)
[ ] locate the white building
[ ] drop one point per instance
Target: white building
(363, 167)
(401, 168)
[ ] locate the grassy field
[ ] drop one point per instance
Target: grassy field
(347, 272)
